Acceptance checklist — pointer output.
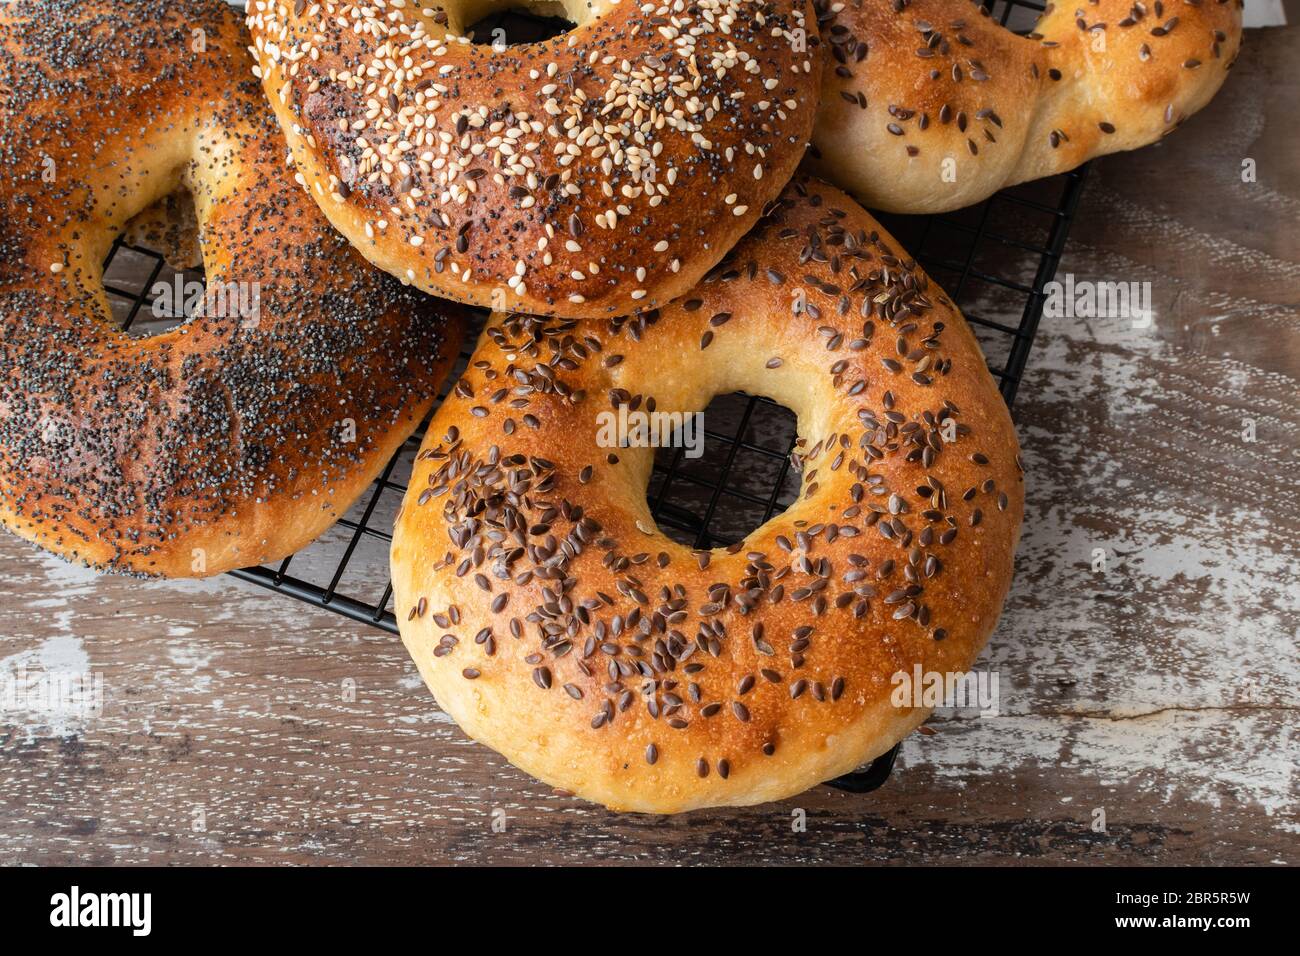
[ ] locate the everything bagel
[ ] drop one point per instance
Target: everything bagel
(556, 624)
(232, 439)
(931, 105)
(594, 174)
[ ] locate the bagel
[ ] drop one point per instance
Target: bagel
(556, 624)
(593, 174)
(238, 436)
(931, 105)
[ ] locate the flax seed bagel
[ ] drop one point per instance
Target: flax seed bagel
(599, 172)
(556, 624)
(240, 435)
(930, 105)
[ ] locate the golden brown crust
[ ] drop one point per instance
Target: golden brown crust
(238, 436)
(556, 624)
(930, 105)
(597, 173)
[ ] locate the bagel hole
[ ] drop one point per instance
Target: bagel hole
(516, 26)
(1015, 16)
(741, 480)
(155, 268)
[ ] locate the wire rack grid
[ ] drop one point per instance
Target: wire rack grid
(994, 259)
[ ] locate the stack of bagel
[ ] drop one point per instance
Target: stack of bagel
(658, 205)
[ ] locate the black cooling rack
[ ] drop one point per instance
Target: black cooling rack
(994, 259)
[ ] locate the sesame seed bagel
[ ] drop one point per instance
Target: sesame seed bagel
(238, 436)
(556, 624)
(593, 174)
(931, 105)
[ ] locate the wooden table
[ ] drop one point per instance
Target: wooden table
(1161, 692)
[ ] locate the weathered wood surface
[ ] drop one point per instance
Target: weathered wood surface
(1163, 690)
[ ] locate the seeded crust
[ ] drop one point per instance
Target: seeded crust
(521, 175)
(557, 625)
(223, 442)
(912, 84)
